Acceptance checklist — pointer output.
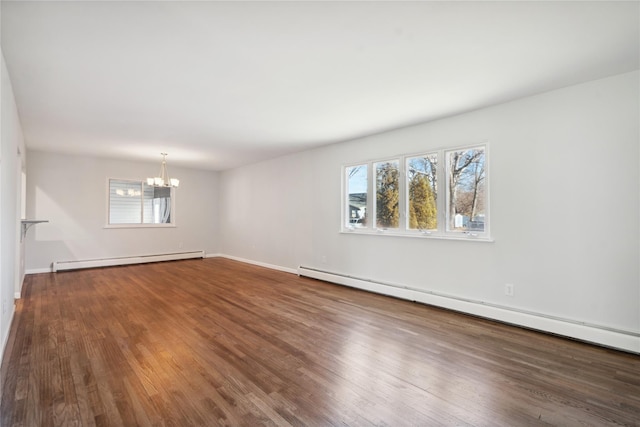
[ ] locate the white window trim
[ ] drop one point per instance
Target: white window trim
(441, 233)
(140, 226)
(418, 235)
(172, 224)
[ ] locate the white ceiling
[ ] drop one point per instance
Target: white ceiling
(222, 84)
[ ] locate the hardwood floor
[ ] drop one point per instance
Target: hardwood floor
(217, 342)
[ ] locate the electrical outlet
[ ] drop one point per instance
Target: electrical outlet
(180, 245)
(324, 259)
(508, 289)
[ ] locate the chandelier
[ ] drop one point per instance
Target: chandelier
(163, 180)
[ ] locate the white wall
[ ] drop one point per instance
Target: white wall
(564, 194)
(11, 165)
(71, 192)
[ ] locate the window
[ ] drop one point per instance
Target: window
(136, 203)
(405, 197)
(422, 191)
(357, 179)
(387, 194)
(465, 197)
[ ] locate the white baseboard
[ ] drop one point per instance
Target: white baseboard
(108, 262)
(596, 334)
(38, 270)
(7, 332)
(258, 263)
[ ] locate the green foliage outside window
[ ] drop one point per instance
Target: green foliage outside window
(422, 205)
(387, 195)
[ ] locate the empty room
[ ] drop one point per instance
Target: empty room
(320, 213)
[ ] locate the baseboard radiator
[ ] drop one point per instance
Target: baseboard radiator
(108, 262)
(582, 331)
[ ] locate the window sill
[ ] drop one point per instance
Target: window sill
(460, 237)
(139, 226)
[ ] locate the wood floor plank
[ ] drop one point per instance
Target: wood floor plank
(217, 342)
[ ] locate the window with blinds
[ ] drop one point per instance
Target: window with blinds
(135, 202)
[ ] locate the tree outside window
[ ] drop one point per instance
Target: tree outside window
(422, 177)
(466, 200)
(387, 194)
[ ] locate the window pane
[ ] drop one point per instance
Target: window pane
(157, 205)
(422, 192)
(387, 194)
(466, 190)
(357, 187)
(125, 202)
(147, 208)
